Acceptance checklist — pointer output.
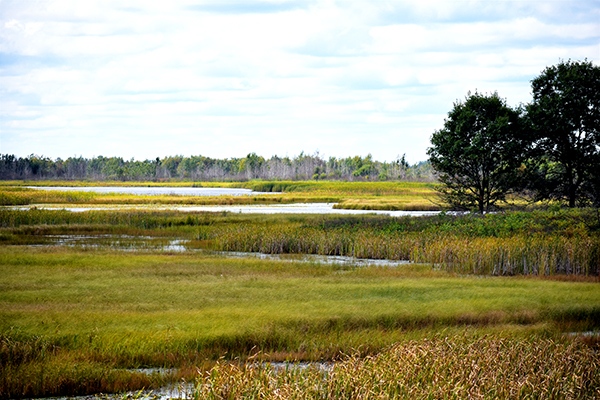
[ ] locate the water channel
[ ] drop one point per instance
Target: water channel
(184, 390)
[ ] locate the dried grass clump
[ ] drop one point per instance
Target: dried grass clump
(438, 368)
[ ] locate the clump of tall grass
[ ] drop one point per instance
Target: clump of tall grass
(441, 367)
(517, 255)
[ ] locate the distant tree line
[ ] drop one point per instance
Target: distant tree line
(200, 168)
(547, 150)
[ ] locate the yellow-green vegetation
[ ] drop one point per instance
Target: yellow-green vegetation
(70, 317)
(407, 196)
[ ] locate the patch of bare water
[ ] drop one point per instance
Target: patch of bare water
(315, 258)
(115, 242)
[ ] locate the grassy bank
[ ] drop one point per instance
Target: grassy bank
(69, 315)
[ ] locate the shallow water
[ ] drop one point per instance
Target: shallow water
(315, 258)
(300, 208)
(186, 390)
(115, 242)
(148, 243)
(156, 191)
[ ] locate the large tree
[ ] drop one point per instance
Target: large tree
(565, 115)
(479, 151)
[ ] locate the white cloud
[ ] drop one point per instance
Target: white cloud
(224, 78)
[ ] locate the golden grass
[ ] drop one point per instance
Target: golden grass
(488, 367)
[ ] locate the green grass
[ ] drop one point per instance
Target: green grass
(104, 310)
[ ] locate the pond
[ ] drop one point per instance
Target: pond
(157, 191)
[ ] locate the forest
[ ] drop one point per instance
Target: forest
(201, 168)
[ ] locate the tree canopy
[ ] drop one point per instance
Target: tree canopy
(478, 152)
(565, 116)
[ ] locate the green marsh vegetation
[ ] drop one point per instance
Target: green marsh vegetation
(79, 320)
(525, 243)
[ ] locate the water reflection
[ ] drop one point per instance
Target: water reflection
(315, 258)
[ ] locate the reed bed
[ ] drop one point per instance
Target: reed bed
(519, 254)
(340, 187)
(15, 196)
(19, 196)
(438, 368)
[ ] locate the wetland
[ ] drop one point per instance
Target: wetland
(486, 305)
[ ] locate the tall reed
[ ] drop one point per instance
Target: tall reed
(437, 368)
(537, 254)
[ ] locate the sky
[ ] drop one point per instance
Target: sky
(146, 79)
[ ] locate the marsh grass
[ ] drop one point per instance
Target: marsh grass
(506, 244)
(436, 368)
(515, 243)
(72, 321)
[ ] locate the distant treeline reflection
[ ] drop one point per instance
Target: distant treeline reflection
(301, 167)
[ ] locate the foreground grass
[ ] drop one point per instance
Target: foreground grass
(71, 317)
(459, 366)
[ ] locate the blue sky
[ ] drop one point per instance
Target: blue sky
(147, 79)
